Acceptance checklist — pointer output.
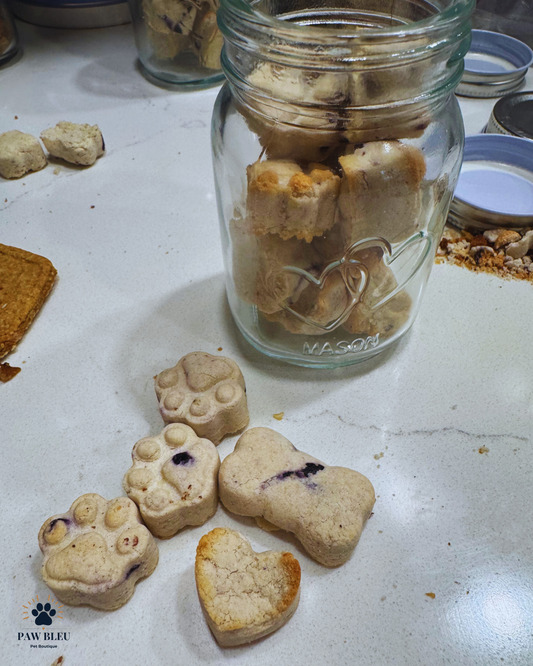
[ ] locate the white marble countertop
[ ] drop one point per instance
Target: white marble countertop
(135, 241)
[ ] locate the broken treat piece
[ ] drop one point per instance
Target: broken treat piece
(260, 266)
(324, 507)
(206, 393)
(282, 199)
(380, 191)
(26, 280)
(20, 153)
(78, 144)
(173, 480)
(7, 372)
(96, 552)
(386, 319)
(244, 595)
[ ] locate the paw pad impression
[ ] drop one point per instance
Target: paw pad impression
(173, 479)
(96, 552)
(245, 595)
(324, 507)
(206, 393)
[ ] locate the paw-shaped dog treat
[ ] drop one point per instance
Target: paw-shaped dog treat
(245, 595)
(205, 392)
(96, 552)
(174, 480)
(325, 507)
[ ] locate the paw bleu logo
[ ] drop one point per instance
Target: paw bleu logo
(41, 615)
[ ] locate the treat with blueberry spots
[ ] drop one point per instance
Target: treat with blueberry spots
(206, 393)
(325, 507)
(173, 480)
(96, 552)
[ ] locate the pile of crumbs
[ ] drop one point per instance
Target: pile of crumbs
(502, 252)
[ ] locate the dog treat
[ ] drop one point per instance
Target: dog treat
(244, 595)
(26, 280)
(173, 480)
(207, 40)
(96, 552)
(78, 144)
(282, 199)
(316, 307)
(20, 153)
(261, 267)
(386, 319)
(310, 116)
(174, 26)
(325, 507)
(206, 393)
(380, 191)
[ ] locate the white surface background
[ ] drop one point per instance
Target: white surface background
(140, 284)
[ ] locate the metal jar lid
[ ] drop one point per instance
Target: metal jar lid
(496, 64)
(495, 186)
(513, 114)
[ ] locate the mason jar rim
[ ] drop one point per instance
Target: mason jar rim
(457, 11)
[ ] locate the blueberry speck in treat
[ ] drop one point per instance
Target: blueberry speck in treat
(308, 470)
(56, 520)
(133, 568)
(183, 458)
(284, 475)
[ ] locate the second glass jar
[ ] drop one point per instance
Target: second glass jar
(337, 143)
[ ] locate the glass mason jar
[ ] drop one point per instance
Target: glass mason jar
(9, 43)
(178, 41)
(337, 142)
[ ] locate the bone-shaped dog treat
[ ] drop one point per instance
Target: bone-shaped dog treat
(173, 480)
(206, 393)
(244, 595)
(282, 199)
(325, 507)
(96, 552)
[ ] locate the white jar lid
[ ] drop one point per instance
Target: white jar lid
(495, 185)
(495, 64)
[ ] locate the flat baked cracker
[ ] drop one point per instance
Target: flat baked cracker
(25, 282)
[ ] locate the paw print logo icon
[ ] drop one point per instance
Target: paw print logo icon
(42, 614)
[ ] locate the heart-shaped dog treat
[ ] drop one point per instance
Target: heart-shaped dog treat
(245, 595)
(325, 507)
(95, 553)
(206, 393)
(173, 479)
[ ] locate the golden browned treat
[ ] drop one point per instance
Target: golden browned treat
(502, 252)
(7, 372)
(96, 552)
(324, 507)
(260, 267)
(368, 319)
(319, 306)
(26, 280)
(206, 393)
(173, 480)
(380, 191)
(244, 595)
(282, 199)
